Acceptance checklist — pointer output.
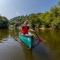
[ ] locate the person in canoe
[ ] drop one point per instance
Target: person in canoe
(25, 31)
(25, 37)
(25, 28)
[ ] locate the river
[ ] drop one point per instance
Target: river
(10, 49)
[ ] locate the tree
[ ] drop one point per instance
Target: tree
(3, 22)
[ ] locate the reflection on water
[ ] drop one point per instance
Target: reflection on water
(28, 54)
(12, 50)
(53, 42)
(3, 34)
(40, 52)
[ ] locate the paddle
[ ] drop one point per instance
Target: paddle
(36, 39)
(39, 38)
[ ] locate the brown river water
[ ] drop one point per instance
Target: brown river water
(10, 49)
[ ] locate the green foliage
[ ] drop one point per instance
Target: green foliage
(50, 19)
(14, 20)
(3, 22)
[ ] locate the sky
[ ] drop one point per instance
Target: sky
(13, 8)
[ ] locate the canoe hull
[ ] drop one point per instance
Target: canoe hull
(27, 40)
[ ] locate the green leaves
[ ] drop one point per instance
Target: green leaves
(3, 22)
(50, 19)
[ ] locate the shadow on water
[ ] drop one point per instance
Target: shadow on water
(40, 52)
(28, 54)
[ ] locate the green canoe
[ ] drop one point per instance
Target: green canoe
(27, 40)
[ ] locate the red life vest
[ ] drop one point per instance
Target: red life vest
(25, 29)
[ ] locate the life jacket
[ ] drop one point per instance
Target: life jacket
(25, 29)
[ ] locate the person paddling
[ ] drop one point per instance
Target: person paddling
(25, 28)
